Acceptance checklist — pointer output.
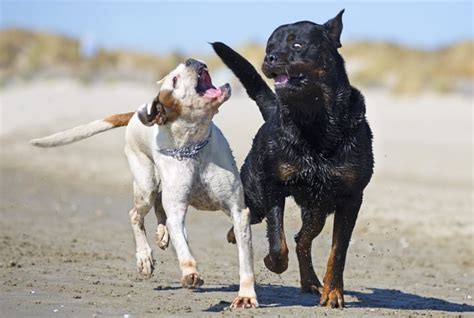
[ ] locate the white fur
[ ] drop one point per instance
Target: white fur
(72, 135)
(210, 181)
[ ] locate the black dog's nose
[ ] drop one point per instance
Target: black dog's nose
(270, 58)
(195, 63)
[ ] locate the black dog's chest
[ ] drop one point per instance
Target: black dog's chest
(305, 177)
(293, 164)
(312, 178)
(310, 191)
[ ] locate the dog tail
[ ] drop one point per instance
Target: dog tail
(84, 131)
(255, 86)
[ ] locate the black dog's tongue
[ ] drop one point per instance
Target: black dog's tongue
(281, 79)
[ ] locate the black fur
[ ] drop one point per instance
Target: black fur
(315, 146)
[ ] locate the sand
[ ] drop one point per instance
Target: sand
(66, 246)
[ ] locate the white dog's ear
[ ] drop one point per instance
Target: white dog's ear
(156, 115)
(160, 82)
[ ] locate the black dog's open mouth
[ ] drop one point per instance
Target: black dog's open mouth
(284, 80)
(204, 85)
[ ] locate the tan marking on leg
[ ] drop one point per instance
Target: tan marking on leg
(190, 277)
(187, 264)
(278, 263)
(247, 282)
(188, 267)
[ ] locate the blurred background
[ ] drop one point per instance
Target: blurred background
(65, 63)
(412, 60)
(406, 47)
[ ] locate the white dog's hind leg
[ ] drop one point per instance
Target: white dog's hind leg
(162, 236)
(247, 297)
(143, 203)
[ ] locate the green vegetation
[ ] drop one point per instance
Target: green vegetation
(26, 55)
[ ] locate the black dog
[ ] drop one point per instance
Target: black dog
(315, 146)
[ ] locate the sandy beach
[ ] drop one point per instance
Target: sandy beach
(66, 246)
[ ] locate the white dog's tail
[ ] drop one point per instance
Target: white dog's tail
(84, 131)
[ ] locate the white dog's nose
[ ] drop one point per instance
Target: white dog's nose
(195, 63)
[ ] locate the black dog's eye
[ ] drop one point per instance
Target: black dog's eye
(175, 80)
(297, 46)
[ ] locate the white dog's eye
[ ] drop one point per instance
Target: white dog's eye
(297, 46)
(175, 80)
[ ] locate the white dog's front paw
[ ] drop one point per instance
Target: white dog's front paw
(162, 236)
(191, 281)
(145, 263)
(244, 302)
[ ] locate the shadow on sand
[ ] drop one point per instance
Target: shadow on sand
(287, 296)
(396, 299)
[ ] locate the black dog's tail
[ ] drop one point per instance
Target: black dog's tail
(255, 86)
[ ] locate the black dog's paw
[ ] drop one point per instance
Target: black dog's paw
(277, 264)
(332, 298)
(312, 289)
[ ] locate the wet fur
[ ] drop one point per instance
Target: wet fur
(315, 146)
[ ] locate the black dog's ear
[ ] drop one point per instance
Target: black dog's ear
(157, 114)
(334, 28)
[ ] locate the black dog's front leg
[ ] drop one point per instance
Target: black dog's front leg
(344, 221)
(277, 258)
(312, 223)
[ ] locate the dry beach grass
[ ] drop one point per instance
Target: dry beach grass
(26, 55)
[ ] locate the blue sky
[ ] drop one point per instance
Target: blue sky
(157, 26)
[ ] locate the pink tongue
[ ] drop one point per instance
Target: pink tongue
(213, 92)
(281, 79)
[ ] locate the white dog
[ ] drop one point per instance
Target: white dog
(178, 157)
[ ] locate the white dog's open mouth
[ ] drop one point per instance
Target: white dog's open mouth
(204, 86)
